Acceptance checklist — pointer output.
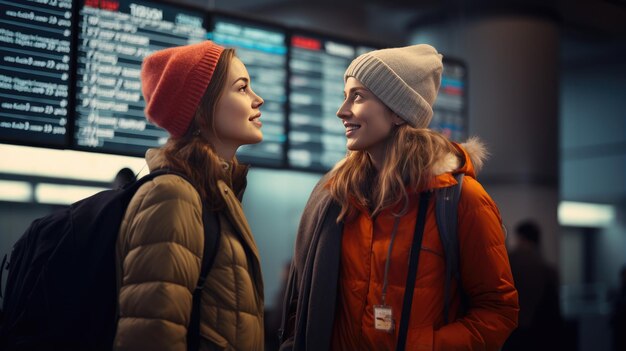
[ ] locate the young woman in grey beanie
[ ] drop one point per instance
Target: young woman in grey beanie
(348, 281)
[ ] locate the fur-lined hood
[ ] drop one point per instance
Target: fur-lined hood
(474, 153)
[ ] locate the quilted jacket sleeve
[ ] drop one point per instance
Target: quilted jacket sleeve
(486, 278)
(159, 250)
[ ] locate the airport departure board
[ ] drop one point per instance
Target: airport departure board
(114, 37)
(82, 90)
(263, 49)
(450, 111)
(35, 71)
(316, 136)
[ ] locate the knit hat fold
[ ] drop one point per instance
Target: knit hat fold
(405, 79)
(174, 80)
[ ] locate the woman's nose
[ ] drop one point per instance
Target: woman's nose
(344, 111)
(258, 101)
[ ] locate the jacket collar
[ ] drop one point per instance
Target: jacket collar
(155, 159)
(235, 177)
(238, 177)
(468, 160)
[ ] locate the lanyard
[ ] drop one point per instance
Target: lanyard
(396, 222)
(383, 314)
(423, 206)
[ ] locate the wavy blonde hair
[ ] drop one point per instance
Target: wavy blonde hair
(194, 155)
(411, 154)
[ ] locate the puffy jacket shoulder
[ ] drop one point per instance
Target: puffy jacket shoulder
(159, 252)
(166, 209)
(473, 195)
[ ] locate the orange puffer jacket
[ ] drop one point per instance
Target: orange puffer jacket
(338, 269)
(485, 273)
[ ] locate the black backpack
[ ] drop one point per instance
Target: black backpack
(446, 213)
(61, 291)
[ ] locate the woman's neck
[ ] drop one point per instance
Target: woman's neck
(224, 153)
(377, 158)
(223, 150)
(377, 153)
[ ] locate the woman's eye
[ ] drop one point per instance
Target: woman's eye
(356, 96)
(243, 88)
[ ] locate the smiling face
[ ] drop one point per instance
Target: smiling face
(237, 116)
(367, 119)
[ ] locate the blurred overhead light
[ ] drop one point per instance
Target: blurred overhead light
(62, 194)
(15, 191)
(65, 164)
(580, 214)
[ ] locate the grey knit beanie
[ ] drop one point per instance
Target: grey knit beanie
(405, 79)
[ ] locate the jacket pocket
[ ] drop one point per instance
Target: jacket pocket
(421, 338)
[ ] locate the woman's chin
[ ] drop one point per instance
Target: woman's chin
(255, 139)
(353, 146)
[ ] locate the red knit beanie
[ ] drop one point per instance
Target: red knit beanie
(174, 80)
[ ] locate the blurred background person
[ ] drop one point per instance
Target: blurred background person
(540, 322)
(618, 314)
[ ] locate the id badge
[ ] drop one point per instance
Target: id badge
(383, 318)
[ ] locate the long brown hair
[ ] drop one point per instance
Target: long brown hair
(194, 155)
(411, 154)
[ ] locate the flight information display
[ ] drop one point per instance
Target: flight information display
(114, 37)
(35, 72)
(70, 78)
(263, 49)
(316, 136)
(450, 115)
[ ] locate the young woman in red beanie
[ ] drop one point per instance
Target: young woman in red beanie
(201, 95)
(350, 287)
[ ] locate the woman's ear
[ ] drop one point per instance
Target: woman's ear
(397, 120)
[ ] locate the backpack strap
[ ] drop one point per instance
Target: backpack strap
(446, 210)
(212, 233)
(412, 276)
